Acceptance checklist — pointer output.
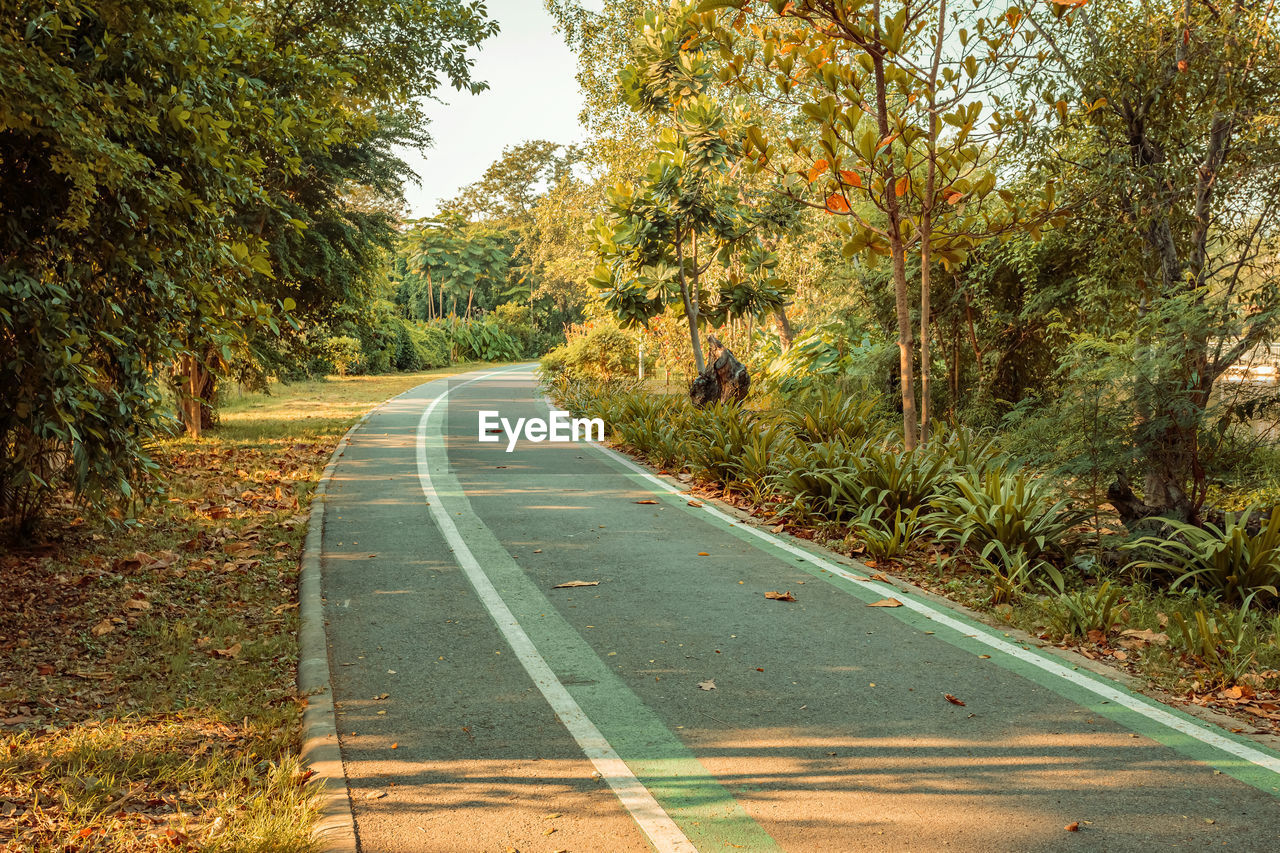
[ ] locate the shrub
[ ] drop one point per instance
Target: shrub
(1014, 511)
(887, 480)
(407, 355)
(1227, 560)
(598, 351)
(1075, 614)
(346, 355)
(828, 415)
(888, 538)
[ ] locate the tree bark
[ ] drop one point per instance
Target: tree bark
(784, 327)
(725, 380)
(690, 308)
(898, 252)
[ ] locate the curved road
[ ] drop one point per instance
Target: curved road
(481, 709)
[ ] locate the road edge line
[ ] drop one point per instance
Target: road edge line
(658, 826)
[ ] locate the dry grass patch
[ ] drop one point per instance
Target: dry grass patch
(148, 666)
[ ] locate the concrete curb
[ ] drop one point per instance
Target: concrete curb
(335, 832)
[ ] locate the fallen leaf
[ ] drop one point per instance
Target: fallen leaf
(703, 554)
(570, 584)
(878, 576)
(777, 528)
(1136, 638)
(774, 595)
(229, 652)
(103, 627)
(953, 700)
(1121, 656)
(375, 795)
(646, 502)
(138, 604)
(886, 602)
(1074, 826)
(395, 745)
(695, 503)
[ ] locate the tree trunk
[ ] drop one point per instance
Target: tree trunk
(784, 327)
(725, 380)
(690, 308)
(898, 252)
(189, 404)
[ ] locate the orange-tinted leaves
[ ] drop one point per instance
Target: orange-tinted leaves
(953, 700)
(779, 596)
(837, 204)
(853, 179)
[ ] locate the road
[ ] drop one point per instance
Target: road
(481, 709)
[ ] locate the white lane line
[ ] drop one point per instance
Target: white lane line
(1119, 697)
(652, 819)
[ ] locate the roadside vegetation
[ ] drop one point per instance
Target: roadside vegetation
(149, 697)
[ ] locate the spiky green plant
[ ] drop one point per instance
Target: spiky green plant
(1228, 560)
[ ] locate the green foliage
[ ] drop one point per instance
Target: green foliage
(1225, 559)
(175, 175)
(1095, 608)
(685, 212)
(346, 355)
(598, 350)
(1014, 515)
(1224, 643)
(828, 415)
(887, 538)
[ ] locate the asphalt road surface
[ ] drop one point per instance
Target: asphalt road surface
(482, 709)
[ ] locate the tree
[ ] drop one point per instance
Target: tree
(147, 184)
(1167, 130)
(686, 213)
(876, 88)
(454, 258)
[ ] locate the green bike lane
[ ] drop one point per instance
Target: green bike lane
(828, 728)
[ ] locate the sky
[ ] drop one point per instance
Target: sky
(532, 94)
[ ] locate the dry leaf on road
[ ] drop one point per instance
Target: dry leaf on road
(886, 602)
(707, 685)
(953, 700)
(1074, 826)
(646, 502)
(779, 596)
(695, 503)
(570, 584)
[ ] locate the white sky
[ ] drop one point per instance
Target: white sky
(532, 94)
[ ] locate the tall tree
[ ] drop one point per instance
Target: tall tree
(877, 83)
(1167, 114)
(687, 213)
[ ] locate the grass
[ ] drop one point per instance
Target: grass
(148, 664)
